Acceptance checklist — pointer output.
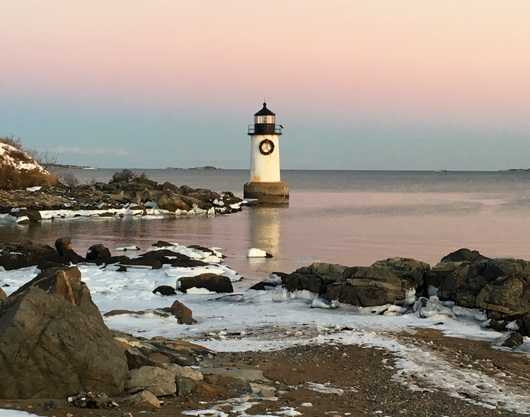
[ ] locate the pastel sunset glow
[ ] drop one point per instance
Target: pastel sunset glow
(384, 84)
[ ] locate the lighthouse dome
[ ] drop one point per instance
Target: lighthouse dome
(265, 111)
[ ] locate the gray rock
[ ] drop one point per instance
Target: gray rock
(142, 399)
(186, 372)
(53, 341)
(185, 386)
(165, 290)
(159, 381)
(314, 278)
(262, 390)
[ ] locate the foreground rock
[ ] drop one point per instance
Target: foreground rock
(53, 341)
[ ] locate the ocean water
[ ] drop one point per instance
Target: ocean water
(347, 217)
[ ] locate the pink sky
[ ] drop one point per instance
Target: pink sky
(466, 59)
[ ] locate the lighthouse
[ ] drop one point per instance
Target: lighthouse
(265, 184)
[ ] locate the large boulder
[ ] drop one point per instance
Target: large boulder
(314, 278)
(371, 286)
(463, 281)
(464, 254)
(54, 343)
(507, 296)
(407, 269)
(459, 281)
(211, 282)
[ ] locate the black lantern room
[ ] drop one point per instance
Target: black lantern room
(264, 123)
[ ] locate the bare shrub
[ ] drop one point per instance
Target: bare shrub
(12, 141)
(70, 180)
(44, 158)
(125, 175)
(11, 178)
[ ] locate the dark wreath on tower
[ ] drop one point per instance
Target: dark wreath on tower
(266, 147)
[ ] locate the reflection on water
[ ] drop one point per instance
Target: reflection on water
(346, 225)
(264, 225)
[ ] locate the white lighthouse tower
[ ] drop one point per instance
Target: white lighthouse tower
(265, 183)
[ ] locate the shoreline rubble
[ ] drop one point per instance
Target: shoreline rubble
(289, 312)
(127, 195)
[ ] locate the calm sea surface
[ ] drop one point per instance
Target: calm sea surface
(348, 217)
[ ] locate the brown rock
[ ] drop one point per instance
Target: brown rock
(183, 314)
(62, 245)
(159, 381)
(23, 254)
(211, 282)
(509, 296)
(370, 286)
(98, 254)
(53, 341)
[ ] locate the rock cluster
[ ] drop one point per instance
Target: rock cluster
(125, 191)
(27, 253)
(500, 287)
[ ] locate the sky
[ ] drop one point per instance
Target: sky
(379, 84)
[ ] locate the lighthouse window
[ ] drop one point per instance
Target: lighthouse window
(265, 119)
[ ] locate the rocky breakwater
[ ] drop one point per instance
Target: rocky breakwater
(464, 283)
(126, 194)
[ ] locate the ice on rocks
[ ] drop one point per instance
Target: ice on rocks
(257, 253)
(15, 413)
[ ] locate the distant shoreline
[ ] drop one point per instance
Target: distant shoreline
(212, 168)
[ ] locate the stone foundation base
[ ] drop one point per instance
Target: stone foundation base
(267, 192)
